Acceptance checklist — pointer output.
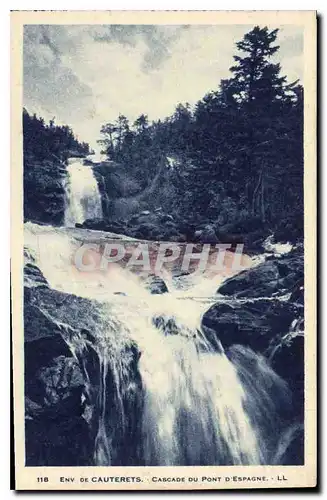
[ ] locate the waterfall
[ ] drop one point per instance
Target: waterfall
(83, 200)
(162, 393)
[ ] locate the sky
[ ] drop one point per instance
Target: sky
(85, 75)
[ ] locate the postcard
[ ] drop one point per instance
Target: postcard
(164, 250)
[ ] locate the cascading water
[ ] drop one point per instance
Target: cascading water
(83, 200)
(163, 394)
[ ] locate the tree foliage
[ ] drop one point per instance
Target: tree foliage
(238, 151)
(49, 141)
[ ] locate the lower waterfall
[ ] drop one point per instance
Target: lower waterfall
(161, 392)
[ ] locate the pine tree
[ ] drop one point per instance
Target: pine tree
(256, 79)
(263, 95)
(141, 123)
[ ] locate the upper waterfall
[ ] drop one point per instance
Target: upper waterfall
(83, 200)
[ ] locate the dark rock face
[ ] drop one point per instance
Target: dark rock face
(261, 281)
(262, 323)
(62, 353)
(269, 326)
(56, 432)
(287, 358)
(170, 326)
(103, 225)
(277, 275)
(44, 193)
(155, 226)
(33, 276)
(114, 180)
(158, 225)
(254, 324)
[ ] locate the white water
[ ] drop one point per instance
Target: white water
(83, 200)
(276, 248)
(198, 407)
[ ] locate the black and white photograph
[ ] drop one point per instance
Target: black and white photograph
(164, 224)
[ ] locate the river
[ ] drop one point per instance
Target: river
(158, 386)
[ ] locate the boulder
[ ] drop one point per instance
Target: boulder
(106, 225)
(253, 323)
(63, 344)
(155, 285)
(33, 276)
(146, 231)
(206, 235)
(261, 281)
(170, 326)
(152, 226)
(62, 379)
(274, 276)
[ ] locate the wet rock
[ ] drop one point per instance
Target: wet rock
(36, 323)
(106, 225)
(63, 344)
(152, 226)
(275, 275)
(170, 326)
(212, 338)
(253, 324)
(261, 281)
(33, 276)
(291, 449)
(166, 324)
(286, 355)
(62, 381)
(155, 285)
